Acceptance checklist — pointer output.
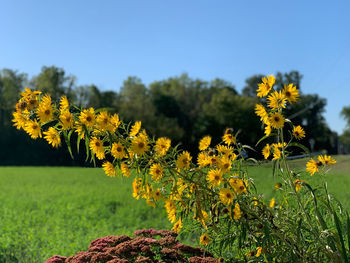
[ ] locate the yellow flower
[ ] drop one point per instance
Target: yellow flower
(291, 93)
(258, 251)
(266, 86)
(115, 122)
(276, 100)
(276, 152)
(266, 151)
(125, 170)
(162, 146)
(203, 159)
(96, 146)
(326, 160)
(224, 163)
(117, 150)
(103, 121)
(45, 110)
(298, 132)
(278, 186)
(227, 150)
(262, 113)
(66, 119)
(298, 184)
(177, 226)
(139, 144)
(272, 203)
(64, 104)
(33, 129)
(87, 117)
(29, 93)
(135, 129)
(238, 185)
(229, 139)
(109, 169)
(214, 177)
(213, 160)
(157, 194)
(19, 120)
(171, 210)
(226, 196)
(204, 143)
(268, 130)
(237, 213)
(52, 137)
(204, 240)
(276, 120)
(312, 166)
(136, 186)
(183, 161)
(156, 171)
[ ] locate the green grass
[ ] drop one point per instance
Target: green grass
(59, 210)
(55, 210)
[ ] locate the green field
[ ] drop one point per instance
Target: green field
(59, 210)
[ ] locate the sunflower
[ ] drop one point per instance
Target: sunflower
(162, 146)
(156, 171)
(170, 207)
(214, 177)
(298, 184)
(136, 187)
(229, 139)
(157, 194)
(64, 104)
(224, 149)
(103, 121)
(204, 143)
(237, 213)
(27, 93)
(290, 92)
(96, 146)
(79, 129)
(183, 160)
(262, 113)
(258, 251)
(204, 240)
(266, 86)
(125, 170)
(45, 109)
(276, 120)
(203, 159)
(298, 132)
(115, 122)
(276, 151)
(177, 226)
(52, 137)
(224, 163)
(33, 129)
(139, 144)
(66, 119)
(213, 160)
(266, 151)
(312, 166)
(278, 186)
(19, 120)
(272, 202)
(109, 169)
(135, 129)
(226, 196)
(276, 100)
(326, 160)
(117, 150)
(238, 185)
(87, 117)
(268, 130)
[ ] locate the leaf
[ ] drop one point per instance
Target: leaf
(295, 144)
(340, 233)
(78, 143)
(67, 139)
(348, 228)
(263, 138)
(87, 148)
(248, 147)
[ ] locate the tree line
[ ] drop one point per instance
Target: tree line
(181, 108)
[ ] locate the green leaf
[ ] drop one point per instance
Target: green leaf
(265, 137)
(340, 233)
(295, 144)
(87, 148)
(67, 139)
(248, 147)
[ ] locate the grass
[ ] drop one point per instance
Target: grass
(59, 210)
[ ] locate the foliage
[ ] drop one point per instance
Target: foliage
(216, 196)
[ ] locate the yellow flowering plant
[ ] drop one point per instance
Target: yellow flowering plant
(212, 194)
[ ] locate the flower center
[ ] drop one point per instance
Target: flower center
(119, 149)
(47, 112)
(141, 145)
(88, 119)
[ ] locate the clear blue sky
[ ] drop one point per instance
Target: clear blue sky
(103, 42)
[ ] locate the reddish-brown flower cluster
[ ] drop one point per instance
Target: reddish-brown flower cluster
(146, 247)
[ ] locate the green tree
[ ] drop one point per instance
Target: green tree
(345, 137)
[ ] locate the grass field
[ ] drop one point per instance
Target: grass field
(59, 210)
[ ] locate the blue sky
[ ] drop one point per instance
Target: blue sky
(103, 42)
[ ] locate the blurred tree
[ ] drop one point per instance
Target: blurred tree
(345, 137)
(252, 85)
(54, 81)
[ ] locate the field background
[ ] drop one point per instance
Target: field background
(58, 210)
